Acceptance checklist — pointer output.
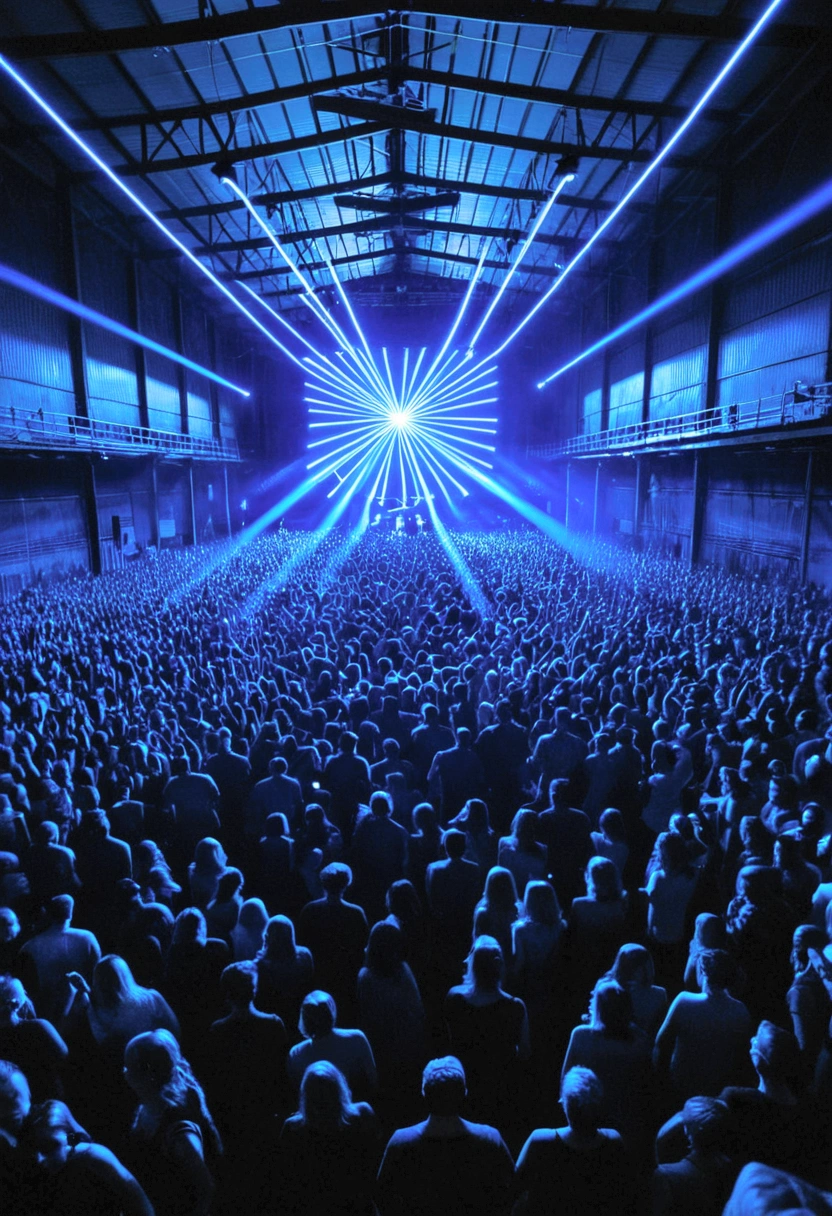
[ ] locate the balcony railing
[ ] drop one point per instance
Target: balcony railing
(798, 405)
(69, 432)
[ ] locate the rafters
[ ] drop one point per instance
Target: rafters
(304, 12)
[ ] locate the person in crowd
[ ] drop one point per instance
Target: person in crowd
(633, 969)
(445, 1163)
(702, 1043)
(328, 1151)
(521, 852)
(379, 853)
(610, 840)
(699, 1184)
(348, 1050)
(390, 1010)
(277, 794)
(48, 957)
(597, 921)
(584, 1164)
(612, 1047)
(488, 1031)
(193, 967)
(498, 909)
(32, 1043)
(175, 1142)
(456, 775)
(248, 933)
(669, 892)
(567, 835)
(78, 1176)
(223, 911)
(335, 931)
(482, 842)
(19, 1191)
(285, 971)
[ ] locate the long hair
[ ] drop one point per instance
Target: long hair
(611, 1010)
(385, 950)
(540, 904)
(484, 966)
(157, 1056)
(500, 894)
(603, 882)
(325, 1100)
(633, 965)
(189, 928)
(113, 984)
(279, 941)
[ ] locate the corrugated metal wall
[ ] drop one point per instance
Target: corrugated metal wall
(680, 361)
(111, 361)
(627, 385)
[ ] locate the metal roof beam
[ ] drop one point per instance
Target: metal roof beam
(380, 223)
(260, 20)
(236, 156)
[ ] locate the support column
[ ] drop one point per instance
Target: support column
(91, 511)
(181, 382)
(72, 282)
(639, 496)
(134, 304)
(700, 492)
(155, 538)
(595, 498)
(227, 502)
(808, 496)
(568, 490)
(191, 501)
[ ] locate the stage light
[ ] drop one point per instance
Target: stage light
(13, 278)
(137, 202)
(805, 210)
(524, 248)
(654, 164)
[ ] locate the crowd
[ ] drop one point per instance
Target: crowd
(361, 873)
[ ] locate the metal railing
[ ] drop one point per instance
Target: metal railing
(69, 432)
(797, 405)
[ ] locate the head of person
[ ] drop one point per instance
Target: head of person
(715, 970)
(113, 983)
(9, 926)
(15, 1099)
(603, 882)
(581, 1096)
(633, 967)
(524, 830)
(612, 825)
(52, 1133)
(278, 766)
(402, 900)
(455, 844)
(559, 792)
(13, 999)
(238, 984)
(317, 1015)
(380, 804)
(279, 940)
(776, 1055)
(788, 852)
(705, 1122)
(709, 932)
(611, 1010)
(224, 739)
(475, 814)
(424, 820)
(209, 856)
(500, 893)
(563, 718)
(463, 738)
(673, 854)
(754, 836)
(484, 968)
(189, 928)
(443, 1087)
(385, 950)
(540, 904)
(503, 711)
(230, 885)
(348, 742)
(804, 939)
(335, 879)
(325, 1099)
(156, 1070)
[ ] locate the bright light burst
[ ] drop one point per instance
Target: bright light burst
(416, 434)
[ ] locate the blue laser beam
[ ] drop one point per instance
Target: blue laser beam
(64, 126)
(805, 210)
(651, 168)
(22, 282)
(524, 248)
